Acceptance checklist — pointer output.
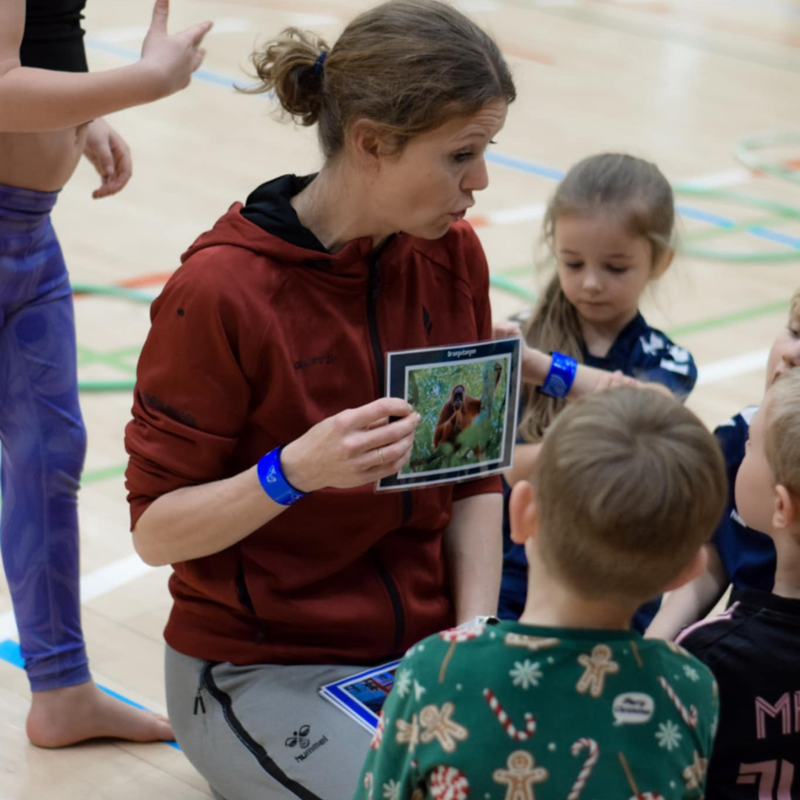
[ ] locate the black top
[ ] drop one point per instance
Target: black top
(53, 36)
(754, 652)
(270, 208)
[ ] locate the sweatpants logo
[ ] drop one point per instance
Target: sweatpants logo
(301, 737)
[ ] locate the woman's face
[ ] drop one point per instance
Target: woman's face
(431, 183)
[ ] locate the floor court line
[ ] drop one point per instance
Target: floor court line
(512, 162)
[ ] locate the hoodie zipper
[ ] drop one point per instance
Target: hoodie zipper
(373, 291)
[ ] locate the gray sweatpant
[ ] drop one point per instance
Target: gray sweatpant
(263, 732)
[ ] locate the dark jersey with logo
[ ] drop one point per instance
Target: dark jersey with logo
(754, 652)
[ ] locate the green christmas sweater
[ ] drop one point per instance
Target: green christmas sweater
(504, 711)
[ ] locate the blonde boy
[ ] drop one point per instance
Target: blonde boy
(738, 555)
(628, 487)
(754, 649)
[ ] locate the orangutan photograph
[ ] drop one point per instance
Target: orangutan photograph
(467, 399)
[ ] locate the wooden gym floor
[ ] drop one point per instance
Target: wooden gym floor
(681, 82)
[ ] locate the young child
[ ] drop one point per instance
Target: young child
(610, 228)
(738, 554)
(754, 649)
(44, 121)
(568, 701)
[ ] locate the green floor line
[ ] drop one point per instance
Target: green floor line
(97, 475)
(733, 318)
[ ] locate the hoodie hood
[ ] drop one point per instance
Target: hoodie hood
(269, 226)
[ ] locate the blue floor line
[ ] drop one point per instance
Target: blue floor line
(519, 164)
(10, 653)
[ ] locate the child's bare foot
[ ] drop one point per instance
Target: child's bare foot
(61, 717)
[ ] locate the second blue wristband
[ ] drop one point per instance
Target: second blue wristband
(560, 377)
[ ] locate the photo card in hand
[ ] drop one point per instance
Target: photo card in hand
(467, 397)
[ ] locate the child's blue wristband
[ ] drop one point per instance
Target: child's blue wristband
(560, 377)
(274, 482)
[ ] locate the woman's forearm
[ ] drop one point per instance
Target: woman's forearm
(474, 553)
(34, 100)
(198, 521)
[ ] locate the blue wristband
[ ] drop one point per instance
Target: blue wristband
(560, 377)
(274, 482)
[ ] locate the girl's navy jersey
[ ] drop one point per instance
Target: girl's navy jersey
(643, 353)
(754, 651)
(747, 555)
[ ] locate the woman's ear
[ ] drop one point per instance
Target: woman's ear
(366, 144)
(523, 513)
(664, 263)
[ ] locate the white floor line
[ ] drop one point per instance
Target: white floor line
(718, 371)
(719, 180)
(93, 585)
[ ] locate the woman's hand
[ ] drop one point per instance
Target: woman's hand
(111, 157)
(354, 447)
(171, 60)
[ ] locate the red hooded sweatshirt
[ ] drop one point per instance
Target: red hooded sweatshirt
(258, 336)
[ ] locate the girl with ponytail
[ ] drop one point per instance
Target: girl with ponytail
(610, 229)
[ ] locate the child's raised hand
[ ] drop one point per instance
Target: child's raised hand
(172, 59)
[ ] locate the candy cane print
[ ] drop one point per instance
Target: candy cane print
(508, 726)
(588, 765)
(368, 784)
(689, 717)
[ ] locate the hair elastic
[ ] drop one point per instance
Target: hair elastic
(560, 377)
(320, 63)
(273, 481)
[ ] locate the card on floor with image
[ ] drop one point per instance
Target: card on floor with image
(467, 396)
(362, 696)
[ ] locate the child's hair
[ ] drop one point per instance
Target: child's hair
(409, 66)
(794, 309)
(630, 484)
(782, 440)
(630, 189)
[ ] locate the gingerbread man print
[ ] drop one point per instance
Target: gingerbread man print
(438, 725)
(408, 733)
(597, 666)
(695, 772)
(520, 776)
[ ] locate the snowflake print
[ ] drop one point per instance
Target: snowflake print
(526, 673)
(669, 736)
(691, 673)
(419, 690)
(403, 682)
(391, 790)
